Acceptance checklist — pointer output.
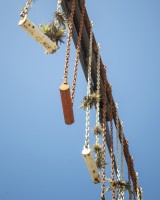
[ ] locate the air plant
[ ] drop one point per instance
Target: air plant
(97, 130)
(90, 100)
(97, 148)
(56, 34)
(119, 185)
(99, 155)
(56, 29)
(87, 102)
(96, 97)
(61, 18)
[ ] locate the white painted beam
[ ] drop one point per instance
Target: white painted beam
(38, 35)
(91, 165)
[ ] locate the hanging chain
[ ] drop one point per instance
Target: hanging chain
(78, 52)
(117, 141)
(70, 25)
(59, 5)
(139, 189)
(122, 152)
(59, 2)
(122, 155)
(129, 181)
(98, 93)
(24, 12)
(104, 136)
(89, 87)
(111, 141)
(117, 148)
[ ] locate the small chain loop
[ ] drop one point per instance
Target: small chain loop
(69, 42)
(78, 52)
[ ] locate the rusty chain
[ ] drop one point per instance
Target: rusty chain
(122, 151)
(78, 52)
(129, 181)
(98, 92)
(104, 110)
(70, 26)
(111, 139)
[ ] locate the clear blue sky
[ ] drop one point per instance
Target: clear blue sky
(40, 157)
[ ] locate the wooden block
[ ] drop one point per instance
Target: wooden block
(38, 35)
(67, 104)
(91, 165)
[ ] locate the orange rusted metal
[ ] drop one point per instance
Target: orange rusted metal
(66, 103)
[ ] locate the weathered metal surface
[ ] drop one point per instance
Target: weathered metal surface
(66, 104)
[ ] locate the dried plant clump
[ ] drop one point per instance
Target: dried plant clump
(56, 29)
(96, 97)
(90, 100)
(99, 155)
(97, 130)
(120, 186)
(60, 17)
(99, 163)
(97, 148)
(87, 102)
(56, 34)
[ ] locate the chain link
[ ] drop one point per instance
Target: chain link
(89, 88)
(70, 25)
(119, 178)
(117, 140)
(78, 52)
(98, 92)
(104, 110)
(120, 193)
(139, 189)
(24, 11)
(129, 181)
(122, 152)
(59, 2)
(111, 140)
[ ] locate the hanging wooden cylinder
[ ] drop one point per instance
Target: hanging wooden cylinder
(38, 35)
(66, 103)
(91, 165)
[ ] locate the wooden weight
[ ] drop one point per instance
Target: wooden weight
(38, 35)
(66, 103)
(91, 165)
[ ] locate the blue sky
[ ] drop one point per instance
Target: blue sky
(40, 157)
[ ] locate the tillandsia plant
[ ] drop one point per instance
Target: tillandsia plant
(99, 155)
(90, 100)
(96, 97)
(120, 186)
(56, 29)
(97, 130)
(87, 102)
(56, 34)
(61, 18)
